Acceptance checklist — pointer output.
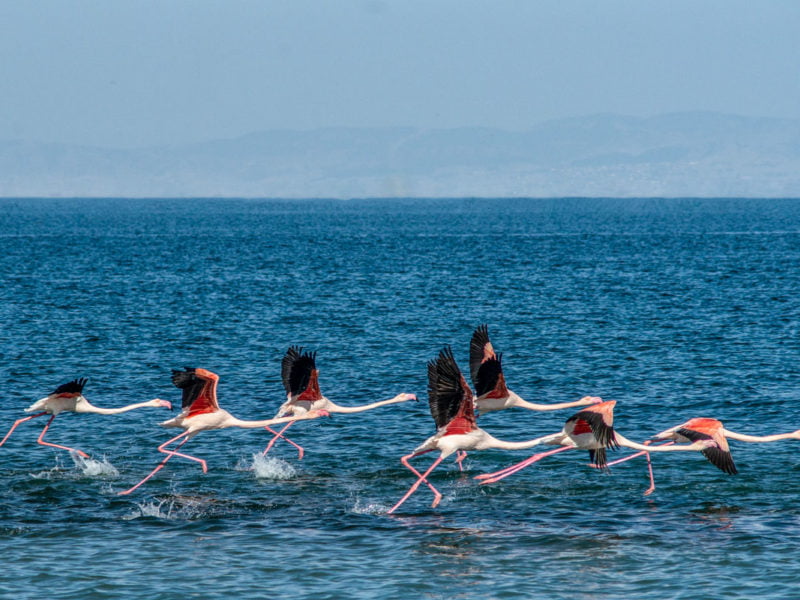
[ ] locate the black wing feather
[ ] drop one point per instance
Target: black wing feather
(485, 379)
(480, 337)
(446, 388)
(604, 433)
(716, 456)
(296, 368)
(598, 457)
(73, 387)
(190, 383)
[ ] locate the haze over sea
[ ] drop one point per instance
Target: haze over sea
(675, 308)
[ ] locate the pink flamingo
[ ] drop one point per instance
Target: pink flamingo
(486, 371)
(69, 398)
(301, 381)
(201, 412)
(704, 429)
(592, 429)
(451, 404)
(490, 384)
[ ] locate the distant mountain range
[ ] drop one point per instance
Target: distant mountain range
(682, 154)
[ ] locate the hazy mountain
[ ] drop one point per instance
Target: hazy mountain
(682, 154)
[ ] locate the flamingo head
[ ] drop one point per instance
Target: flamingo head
(590, 400)
(406, 397)
(159, 403)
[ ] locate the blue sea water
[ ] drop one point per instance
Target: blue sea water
(674, 308)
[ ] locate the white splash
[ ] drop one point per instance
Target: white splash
(49, 474)
(268, 467)
(152, 509)
(94, 468)
(369, 508)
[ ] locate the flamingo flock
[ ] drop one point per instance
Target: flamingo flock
(454, 406)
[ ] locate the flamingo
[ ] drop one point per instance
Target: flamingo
(201, 412)
(486, 371)
(592, 429)
(301, 381)
(69, 397)
(452, 408)
(705, 428)
(490, 384)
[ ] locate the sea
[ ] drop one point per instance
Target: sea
(675, 308)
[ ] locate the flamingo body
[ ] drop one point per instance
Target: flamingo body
(492, 393)
(201, 412)
(69, 397)
(705, 429)
(451, 403)
(300, 378)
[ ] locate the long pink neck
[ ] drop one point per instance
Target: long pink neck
(795, 435)
(89, 408)
(354, 409)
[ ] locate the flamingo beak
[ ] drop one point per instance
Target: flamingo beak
(165, 403)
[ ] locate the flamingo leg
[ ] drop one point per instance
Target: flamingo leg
(629, 457)
(409, 466)
(170, 454)
(652, 487)
(279, 434)
(413, 488)
(43, 443)
(503, 473)
(460, 456)
(14, 426)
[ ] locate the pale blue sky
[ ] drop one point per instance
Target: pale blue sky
(124, 73)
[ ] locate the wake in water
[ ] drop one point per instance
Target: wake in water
(84, 467)
(268, 467)
(93, 468)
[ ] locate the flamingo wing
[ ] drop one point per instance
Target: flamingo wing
(449, 395)
(480, 348)
(72, 388)
(586, 421)
(199, 389)
(486, 366)
(720, 455)
(299, 371)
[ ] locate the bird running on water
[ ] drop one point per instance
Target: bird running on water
(201, 412)
(69, 397)
(486, 370)
(592, 429)
(703, 428)
(301, 382)
(451, 404)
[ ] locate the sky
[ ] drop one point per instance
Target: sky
(119, 73)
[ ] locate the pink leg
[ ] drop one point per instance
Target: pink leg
(43, 443)
(169, 454)
(460, 456)
(627, 458)
(409, 466)
(14, 426)
(279, 434)
(502, 474)
(437, 495)
(652, 487)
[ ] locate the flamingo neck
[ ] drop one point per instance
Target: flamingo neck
(354, 409)
(85, 407)
(625, 442)
(794, 435)
(244, 424)
(552, 439)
